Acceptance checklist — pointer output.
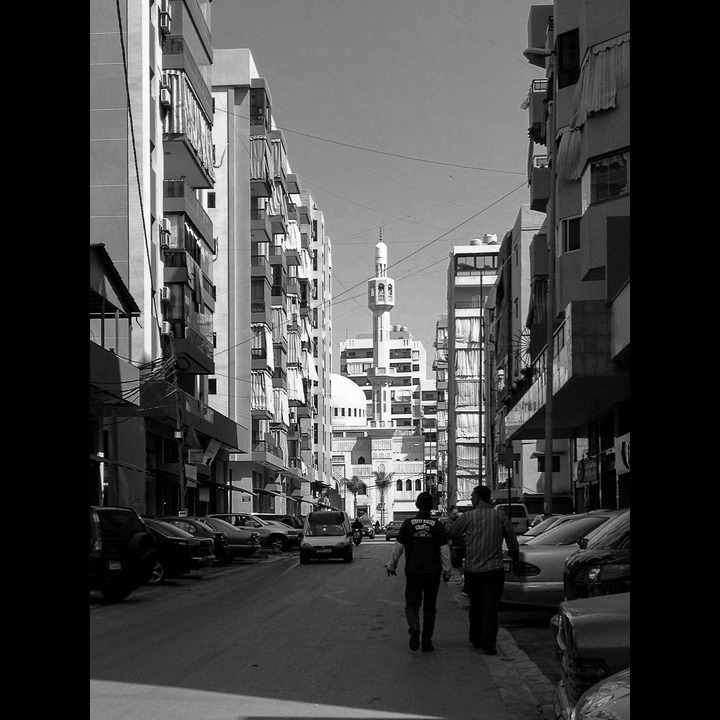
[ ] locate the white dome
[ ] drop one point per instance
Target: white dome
(347, 402)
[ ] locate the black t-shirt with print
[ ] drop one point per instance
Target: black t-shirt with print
(422, 536)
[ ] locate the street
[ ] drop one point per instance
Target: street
(268, 637)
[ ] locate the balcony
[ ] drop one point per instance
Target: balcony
(179, 197)
(536, 108)
(265, 452)
(259, 359)
(586, 381)
(260, 226)
(293, 186)
(276, 255)
(158, 403)
(260, 310)
(539, 188)
(260, 184)
(260, 267)
(192, 350)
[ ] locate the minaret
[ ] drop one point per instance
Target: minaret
(381, 299)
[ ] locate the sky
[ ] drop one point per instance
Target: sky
(400, 115)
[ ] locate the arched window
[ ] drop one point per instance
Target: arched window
(361, 460)
(408, 484)
(418, 485)
(398, 485)
(389, 290)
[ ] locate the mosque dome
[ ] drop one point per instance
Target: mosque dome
(347, 402)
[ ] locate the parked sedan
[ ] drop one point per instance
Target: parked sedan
(198, 529)
(593, 638)
(242, 542)
(272, 534)
(602, 564)
(179, 553)
(392, 529)
(537, 579)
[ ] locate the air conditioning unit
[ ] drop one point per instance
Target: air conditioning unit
(165, 293)
(165, 97)
(166, 227)
(166, 328)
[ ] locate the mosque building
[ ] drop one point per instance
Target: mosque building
(383, 412)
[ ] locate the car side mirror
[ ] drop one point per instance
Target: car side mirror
(583, 543)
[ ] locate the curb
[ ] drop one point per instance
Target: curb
(527, 692)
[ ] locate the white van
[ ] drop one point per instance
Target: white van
(519, 515)
(326, 534)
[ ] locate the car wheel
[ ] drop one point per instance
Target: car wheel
(304, 559)
(158, 573)
(114, 592)
(142, 554)
(277, 543)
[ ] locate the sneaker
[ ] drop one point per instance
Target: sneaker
(414, 639)
(427, 646)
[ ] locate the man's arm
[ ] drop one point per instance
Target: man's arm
(456, 528)
(511, 538)
(398, 549)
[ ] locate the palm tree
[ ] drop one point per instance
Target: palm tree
(354, 485)
(382, 480)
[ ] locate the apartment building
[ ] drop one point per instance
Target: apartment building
(472, 272)
(579, 309)
(209, 274)
(157, 446)
(274, 263)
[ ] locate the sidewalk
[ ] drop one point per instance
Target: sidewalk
(527, 692)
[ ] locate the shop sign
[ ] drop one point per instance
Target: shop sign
(622, 454)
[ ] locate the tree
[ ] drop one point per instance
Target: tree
(354, 485)
(382, 480)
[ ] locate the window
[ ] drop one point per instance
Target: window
(418, 485)
(211, 199)
(570, 234)
(568, 58)
(555, 463)
(609, 177)
(408, 485)
(212, 386)
(398, 486)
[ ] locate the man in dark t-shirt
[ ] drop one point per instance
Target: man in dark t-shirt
(427, 556)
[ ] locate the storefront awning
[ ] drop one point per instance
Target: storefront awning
(277, 494)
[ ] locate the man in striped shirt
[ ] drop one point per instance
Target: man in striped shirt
(484, 531)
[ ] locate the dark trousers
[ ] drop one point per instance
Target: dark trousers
(421, 591)
(485, 591)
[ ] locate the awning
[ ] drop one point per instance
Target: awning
(277, 494)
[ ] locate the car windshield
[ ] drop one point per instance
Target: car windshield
(167, 529)
(325, 517)
(515, 510)
(616, 534)
(542, 526)
(218, 524)
(325, 530)
(568, 532)
(119, 522)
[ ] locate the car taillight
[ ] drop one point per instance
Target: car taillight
(96, 544)
(523, 569)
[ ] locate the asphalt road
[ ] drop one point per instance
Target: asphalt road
(280, 639)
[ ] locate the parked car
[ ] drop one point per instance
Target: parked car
(392, 529)
(602, 564)
(518, 514)
(199, 529)
(326, 534)
(543, 525)
(272, 534)
(593, 638)
(537, 579)
(293, 521)
(242, 542)
(610, 698)
(179, 553)
(122, 551)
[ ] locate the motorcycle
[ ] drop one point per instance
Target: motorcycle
(357, 536)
